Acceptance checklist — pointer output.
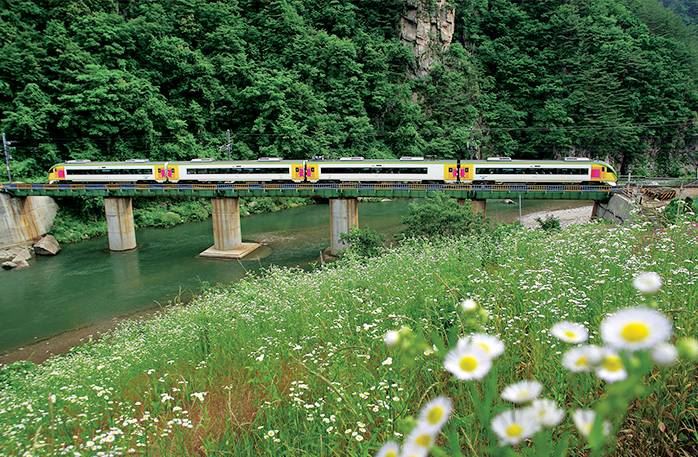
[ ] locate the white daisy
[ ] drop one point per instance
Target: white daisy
(389, 449)
(546, 412)
(468, 305)
(391, 338)
(421, 437)
(611, 368)
(522, 391)
(570, 332)
(435, 413)
(582, 358)
(414, 451)
(664, 354)
(584, 421)
(491, 345)
(648, 282)
(635, 328)
(515, 425)
(468, 362)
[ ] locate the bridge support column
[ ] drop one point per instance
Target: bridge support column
(344, 216)
(227, 237)
(120, 228)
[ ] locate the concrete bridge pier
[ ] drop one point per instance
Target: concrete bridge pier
(227, 236)
(121, 230)
(344, 216)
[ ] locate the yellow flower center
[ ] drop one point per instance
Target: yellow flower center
(582, 362)
(484, 346)
(514, 430)
(570, 334)
(391, 454)
(468, 363)
(612, 363)
(435, 415)
(423, 440)
(635, 332)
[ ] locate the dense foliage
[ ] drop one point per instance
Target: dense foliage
(116, 79)
(439, 216)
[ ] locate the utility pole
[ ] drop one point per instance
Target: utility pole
(6, 149)
(228, 145)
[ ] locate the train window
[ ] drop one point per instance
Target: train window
(236, 171)
(312, 168)
(450, 169)
(298, 169)
(379, 170)
(533, 171)
(109, 171)
(467, 169)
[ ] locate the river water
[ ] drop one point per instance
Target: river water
(86, 284)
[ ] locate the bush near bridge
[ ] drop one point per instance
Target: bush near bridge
(293, 363)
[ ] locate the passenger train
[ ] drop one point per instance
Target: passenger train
(494, 170)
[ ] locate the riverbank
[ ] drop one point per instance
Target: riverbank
(294, 360)
(567, 217)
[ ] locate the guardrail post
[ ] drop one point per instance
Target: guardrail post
(344, 216)
(227, 236)
(121, 230)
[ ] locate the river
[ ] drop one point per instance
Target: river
(86, 284)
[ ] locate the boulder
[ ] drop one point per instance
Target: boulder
(21, 254)
(6, 256)
(8, 265)
(21, 264)
(508, 201)
(47, 245)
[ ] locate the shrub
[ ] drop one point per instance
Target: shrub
(439, 216)
(678, 209)
(548, 224)
(363, 242)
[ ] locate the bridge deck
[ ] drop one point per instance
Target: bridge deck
(327, 190)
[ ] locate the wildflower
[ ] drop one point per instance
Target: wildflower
(166, 397)
(664, 354)
(570, 332)
(491, 345)
(584, 421)
(514, 426)
(199, 395)
(522, 392)
(389, 449)
(635, 328)
(647, 283)
(611, 368)
(468, 362)
(388, 361)
(435, 413)
(581, 358)
(546, 412)
(391, 338)
(52, 398)
(414, 451)
(420, 439)
(468, 305)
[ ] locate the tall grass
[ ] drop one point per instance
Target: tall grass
(293, 363)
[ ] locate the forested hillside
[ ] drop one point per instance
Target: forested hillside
(92, 79)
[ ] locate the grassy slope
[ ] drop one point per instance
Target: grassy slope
(299, 355)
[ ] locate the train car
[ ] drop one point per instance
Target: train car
(134, 170)
(573, 170)
(265, 169)
(358, 169)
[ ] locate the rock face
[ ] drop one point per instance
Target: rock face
(23, 220)
(21, 254)
(427, 26)
(47, 245)
(8, 265)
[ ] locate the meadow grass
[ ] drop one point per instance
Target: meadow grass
(294, 363)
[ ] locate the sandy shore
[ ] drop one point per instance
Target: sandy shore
(567, 217)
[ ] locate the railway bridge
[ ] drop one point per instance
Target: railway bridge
(343, 198)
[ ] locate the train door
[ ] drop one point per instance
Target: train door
(312, 172)
(466, 172)
(297, 172)
(596, 173)
(450, 172)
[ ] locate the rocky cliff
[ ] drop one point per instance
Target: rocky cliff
(427, 26)
(23, 221)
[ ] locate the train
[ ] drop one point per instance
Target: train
(494, 170)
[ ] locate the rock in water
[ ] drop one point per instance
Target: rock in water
(20, 254)
(21, 264)
(9, 265)
(47, 245)
(6, 256)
